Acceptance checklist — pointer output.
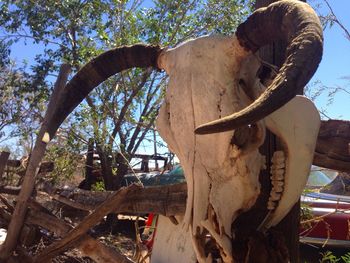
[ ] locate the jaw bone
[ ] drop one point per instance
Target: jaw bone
(297, 125)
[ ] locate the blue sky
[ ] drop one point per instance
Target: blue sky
(335, 63)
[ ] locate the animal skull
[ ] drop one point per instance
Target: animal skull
(222, 177)
(213, 79)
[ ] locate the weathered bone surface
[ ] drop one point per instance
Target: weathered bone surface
(297, 125)
(222, 179)
(209, 79)
(173, 243)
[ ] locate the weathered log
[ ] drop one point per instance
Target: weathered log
(76, 235)
(88, 246)
(18, 218)
(333, 145)
(166, 200)
(159, 200)
(11, 190)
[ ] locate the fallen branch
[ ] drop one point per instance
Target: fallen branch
(166, 200)
(88, 246)
(10, 190)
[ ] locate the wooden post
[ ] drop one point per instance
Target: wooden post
(4, 156)
(275, 55)
(20, 211)
(282, 244)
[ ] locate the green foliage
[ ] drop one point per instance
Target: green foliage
(346, 257)
(98, 186)
(329, 257)
(65, 153)
(119, 113)
(22, 103)
(66, 163)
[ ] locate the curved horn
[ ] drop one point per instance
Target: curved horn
(290, 20)
(95, 72)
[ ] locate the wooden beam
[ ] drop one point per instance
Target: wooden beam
(159, 200)
(88, 246)
(333, 145)
(18, 217)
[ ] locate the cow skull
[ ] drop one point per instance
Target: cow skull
(222, 179)
(210, 78)
(210, 91)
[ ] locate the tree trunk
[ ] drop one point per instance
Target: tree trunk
(122, 170)
(106, 166)
(4, 156)
(89, 165)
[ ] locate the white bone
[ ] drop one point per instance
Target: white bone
(222, 178)
(172, 243)
(278, 166)
(275, 196)
(271, 205)
(278, 188)
(203, 86)
(297, 124)
(277, 183)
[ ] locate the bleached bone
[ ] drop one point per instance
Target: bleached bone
(222, 179)
(214, 167)
(172, 243)
(297, 124)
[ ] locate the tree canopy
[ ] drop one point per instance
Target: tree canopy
(120, 112)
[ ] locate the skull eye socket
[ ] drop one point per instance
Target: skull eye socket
(241, 136)
(266, 73)
(249, 137)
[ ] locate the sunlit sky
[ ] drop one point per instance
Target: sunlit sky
(335, 63)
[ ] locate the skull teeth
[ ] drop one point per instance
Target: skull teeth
(271, 205)
(275, 196)
(277, 166)
(277, 183)
(277, 179)
(278, 189)
(277, 175)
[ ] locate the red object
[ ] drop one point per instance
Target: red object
(150, 230)
(332, 220)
